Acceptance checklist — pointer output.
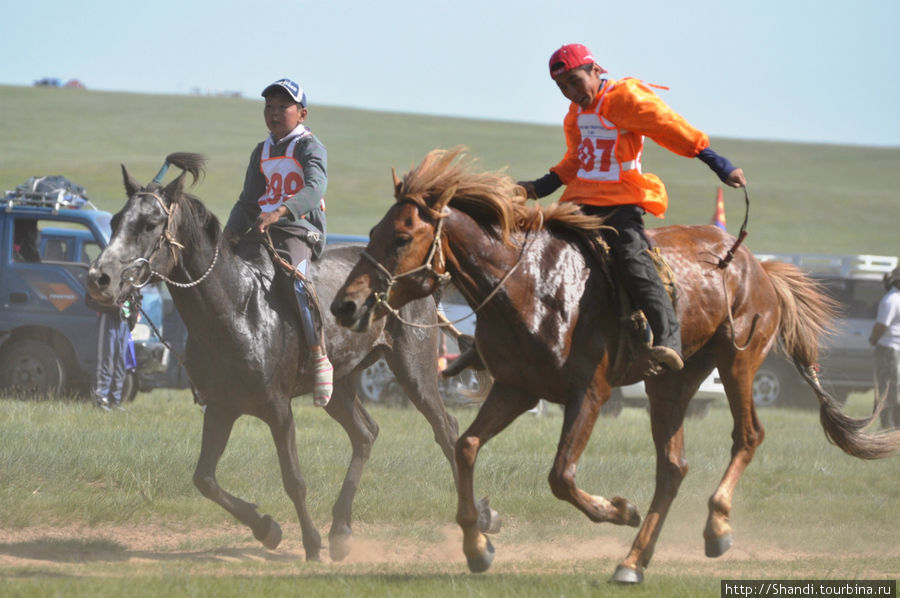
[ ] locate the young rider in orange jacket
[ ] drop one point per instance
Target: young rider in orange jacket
(605, 129)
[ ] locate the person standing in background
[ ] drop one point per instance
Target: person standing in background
(886, 339)
(114, 325)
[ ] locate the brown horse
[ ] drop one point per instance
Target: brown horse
(547, 328)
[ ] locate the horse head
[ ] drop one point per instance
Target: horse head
(404, 259)
(145, 233)
(409, 251)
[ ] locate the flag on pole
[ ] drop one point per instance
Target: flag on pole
(719, 215)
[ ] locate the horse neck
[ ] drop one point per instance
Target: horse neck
(223, 286)
(478, 262)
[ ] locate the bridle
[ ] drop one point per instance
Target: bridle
(167, 238)
(435, 255)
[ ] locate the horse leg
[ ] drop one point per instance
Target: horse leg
(746, 436)
(581, 413)
(362, 430)
(503, 405)
(280, 418)
(417, 374)
(217, 426)
(669, 396)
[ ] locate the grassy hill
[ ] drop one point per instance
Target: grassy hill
(813, 198)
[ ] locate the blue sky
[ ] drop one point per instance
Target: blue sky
(822, 71)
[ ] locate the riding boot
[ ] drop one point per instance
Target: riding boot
(324, 371)
(666, 348)
(647, 290)
(631, 251)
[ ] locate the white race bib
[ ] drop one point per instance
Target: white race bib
(284, 176)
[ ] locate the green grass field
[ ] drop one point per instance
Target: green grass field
(91, 503)
(98, 504)
(804, 198)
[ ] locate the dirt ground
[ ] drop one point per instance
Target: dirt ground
(126, 550)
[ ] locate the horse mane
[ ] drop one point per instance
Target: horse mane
(491, 198)
(197, 222)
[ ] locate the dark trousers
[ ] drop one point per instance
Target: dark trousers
(887, 372)
(630, 250)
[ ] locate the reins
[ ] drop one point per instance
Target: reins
(723, 264)
(167, 237)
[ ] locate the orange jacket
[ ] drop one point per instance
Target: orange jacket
(602, 165)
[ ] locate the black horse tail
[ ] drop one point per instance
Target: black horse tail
(806, 314)
(195, 164)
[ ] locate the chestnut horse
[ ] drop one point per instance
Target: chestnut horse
(547, 329)
(245, 353)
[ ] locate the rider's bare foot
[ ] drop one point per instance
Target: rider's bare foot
(668, 359)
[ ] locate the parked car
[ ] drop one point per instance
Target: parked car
(78, 246)
(49, 233)
(634, 395)
(845, 357)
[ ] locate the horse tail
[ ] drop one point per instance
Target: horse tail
(195, 164)
(806, 314)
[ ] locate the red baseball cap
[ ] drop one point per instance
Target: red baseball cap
(571, 56)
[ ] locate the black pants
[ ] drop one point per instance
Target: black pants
(629, 247)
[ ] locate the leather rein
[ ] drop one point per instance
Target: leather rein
(167, 238)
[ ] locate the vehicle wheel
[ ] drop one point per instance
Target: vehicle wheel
(30, 367)
(130, 387)
(467, 387)
(613, 407)
(775, 385)
(376, 384)
(699, 408)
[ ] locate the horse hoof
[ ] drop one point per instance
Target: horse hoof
(489, 521)
(718, 546)
(627, 575)
(339, 546)
(482, 562)
(630, 514)
(271, 536)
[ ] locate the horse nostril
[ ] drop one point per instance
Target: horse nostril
(343, 310)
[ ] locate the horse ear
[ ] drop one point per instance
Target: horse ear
(397, 183)
(445, 198)
(131, 185)
(175, 188)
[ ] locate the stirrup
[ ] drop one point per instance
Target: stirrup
(324, 381)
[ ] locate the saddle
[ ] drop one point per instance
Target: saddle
(261, 251)
(630, 355)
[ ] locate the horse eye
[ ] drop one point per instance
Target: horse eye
(401, 242)
(149, 227)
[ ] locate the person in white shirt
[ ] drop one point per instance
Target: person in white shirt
(886, 339)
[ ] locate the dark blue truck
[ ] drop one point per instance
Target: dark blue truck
(48, 335)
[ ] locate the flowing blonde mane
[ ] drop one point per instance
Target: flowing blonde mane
(489, 197)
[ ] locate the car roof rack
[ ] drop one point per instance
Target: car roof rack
(61, 198)
(846, 266)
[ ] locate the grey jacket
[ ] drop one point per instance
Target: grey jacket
(305, 214)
